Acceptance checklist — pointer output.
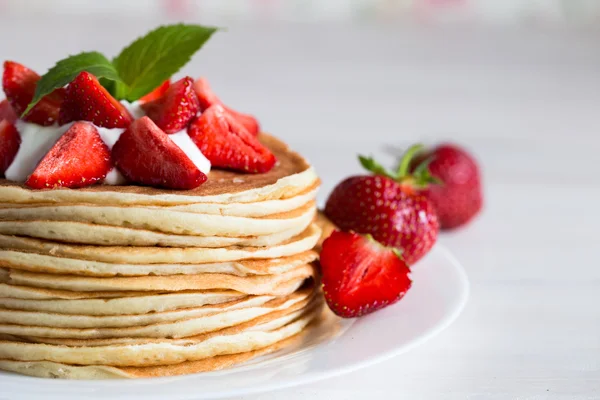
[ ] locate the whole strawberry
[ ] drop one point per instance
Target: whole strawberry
(389, 206)
(459, 198)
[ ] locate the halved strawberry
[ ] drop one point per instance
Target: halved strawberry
(360, 275)
(78, 159)
(227, 144)
(173, 111)
(156, 93)
(19, 86)
(146, 155)
(87, 100)
(10, 140)
(7, 112)
(208, 98)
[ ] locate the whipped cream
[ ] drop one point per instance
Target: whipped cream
(37, 140)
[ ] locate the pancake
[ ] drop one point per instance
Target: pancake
(266, 322)
(158, 219)
(258, 209)
(291, 176)
(103, 235)
(57, 320)
(132, 305)
(39, 293)
(155, 255)
(34, 262)
(49, 369)
(35, 318)
(253, 284)
(163, 332)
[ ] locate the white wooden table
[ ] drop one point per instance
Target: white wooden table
(526, 103)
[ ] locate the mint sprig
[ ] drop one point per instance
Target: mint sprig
(67, 69)
(153, 58)
(140, 67)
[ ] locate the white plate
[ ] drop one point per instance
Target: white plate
(440, 290)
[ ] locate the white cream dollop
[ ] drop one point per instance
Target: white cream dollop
(37, 140)
(185, 143)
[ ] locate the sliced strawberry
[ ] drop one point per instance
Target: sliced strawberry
(173, 111)
(19, 86)
(79, 158)
(87, 100)
(146, 155)
(10, 140)
(360, 275)
(156, 93)
(7, 112)
(208, 98)
(227, 144)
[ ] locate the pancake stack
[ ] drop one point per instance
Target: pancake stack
(129, 282)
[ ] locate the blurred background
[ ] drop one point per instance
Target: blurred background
(432, 11)
(515, 81)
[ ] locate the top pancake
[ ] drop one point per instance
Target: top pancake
(291, 176)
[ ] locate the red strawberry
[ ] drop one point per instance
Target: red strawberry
(388, 207)
(459, 198)
(87, 100)
(227, 144)
(156, 93)
(19, 86)
(10, 140)
(7, 112)
(78, 159)
(208, 98)
(146, 155)
(173, 111)
(360, 275)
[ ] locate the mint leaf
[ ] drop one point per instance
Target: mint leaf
(153, 58)
(67, 69)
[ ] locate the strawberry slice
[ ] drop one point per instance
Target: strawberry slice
(173, 111)
(87, 100)
(19, 86)
(208, 98)
(227, 144)
(360, 275)
(79, 158)
(10, 140)
(146, 155)
(156, 93)
(7, 112)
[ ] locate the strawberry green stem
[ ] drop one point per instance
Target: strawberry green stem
(403, 168)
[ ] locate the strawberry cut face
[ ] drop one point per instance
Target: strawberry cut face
(227, 144)
(361, 276)
(208, 98)
(10, 140)
(78, 159)
(146, 155)
(156, 93)
(87, 100)
(7, 112)
(175, 108)
(19, 84)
